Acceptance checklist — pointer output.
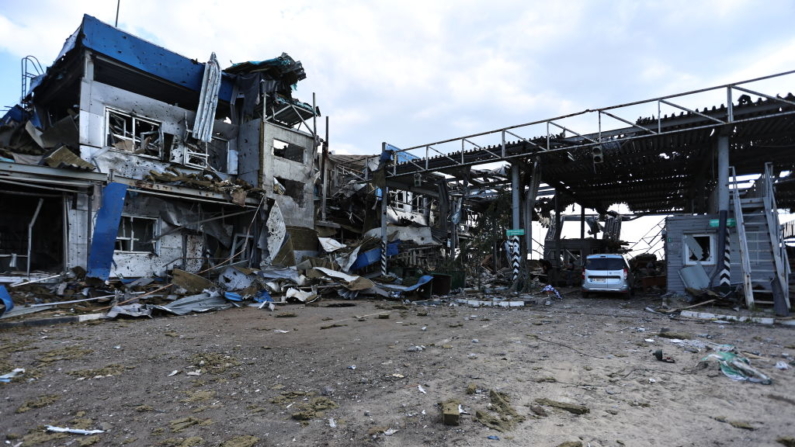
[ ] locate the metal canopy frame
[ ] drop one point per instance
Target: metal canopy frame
(503, 151)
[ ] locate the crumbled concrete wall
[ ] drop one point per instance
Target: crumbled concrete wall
(95, 97)
(295, 213)
(169, 251)
(249, 166)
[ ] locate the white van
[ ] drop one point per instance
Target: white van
(606, 273)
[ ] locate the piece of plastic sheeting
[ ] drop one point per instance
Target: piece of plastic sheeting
(134, 310)
(202, 302)
(234, 279)
(6, 299)
(425, 279)
(737, 368)
(300, 295)
(350, 282)
(287, 273)
(346, 261)
(103, 242)
(330, 245)
(263, 297)
(370, 257)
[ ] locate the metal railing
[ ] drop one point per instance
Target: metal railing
(456, 150)
(779, 250)
(743, 242)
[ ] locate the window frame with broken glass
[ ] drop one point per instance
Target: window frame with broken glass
(150, 247)
(116, 133)
(709, 259)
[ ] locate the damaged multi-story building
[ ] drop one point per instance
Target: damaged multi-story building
(126, 159)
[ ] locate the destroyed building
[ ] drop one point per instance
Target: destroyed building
(721, 172)
(126, 159)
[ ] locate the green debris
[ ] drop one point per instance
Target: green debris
(742, 424)
(314, 408)
(570, 444)
(7, 347)
(331, 326)
(571, 408)
(110, 370)
(143, 408)
(548, 379)
(91, 440)
(787, 441)
(383, 316)
(253, 409)
(735, 367)
(181, 424)
(67, 353)
(81, 423)
(472, 388)
(241, 441)
(172, 334)
(451, 415)
(538, 410)
(41, 401)
(304, 415)
(422, 313)
(377, 430)
(287, 315)
(41, 436)
(506, 417)
(198, 396)
(214, 363)
(290, 396)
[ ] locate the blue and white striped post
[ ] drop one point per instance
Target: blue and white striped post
(724, 278)
(384, 239)
(515, 258)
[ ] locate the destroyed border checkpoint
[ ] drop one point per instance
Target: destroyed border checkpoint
(138, 184)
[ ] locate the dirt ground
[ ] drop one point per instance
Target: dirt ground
(343, 376)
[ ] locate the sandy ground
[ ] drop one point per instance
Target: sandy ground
(241, 381)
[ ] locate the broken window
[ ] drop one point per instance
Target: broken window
(199, 154)
(136, 235)
(699, 248)
(290, 188)
(129, 133)
(289, 151)
(401, 200)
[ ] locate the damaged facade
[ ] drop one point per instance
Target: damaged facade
(125, 159)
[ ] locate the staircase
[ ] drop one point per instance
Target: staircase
(765, 266)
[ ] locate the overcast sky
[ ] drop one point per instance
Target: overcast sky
(415, 72)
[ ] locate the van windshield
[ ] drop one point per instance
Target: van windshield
(604, 264)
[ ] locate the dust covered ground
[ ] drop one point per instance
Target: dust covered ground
(247, 377)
